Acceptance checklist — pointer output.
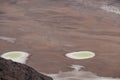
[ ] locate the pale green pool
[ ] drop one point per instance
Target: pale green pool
(13, 55)
(81, 55)
(17, 56)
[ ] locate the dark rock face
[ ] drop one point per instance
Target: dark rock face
(10, 70)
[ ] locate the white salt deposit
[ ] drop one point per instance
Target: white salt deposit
(17, 56)
(78, 74)
(110, 8)
(8, 39)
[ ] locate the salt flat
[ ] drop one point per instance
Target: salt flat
(48, 29)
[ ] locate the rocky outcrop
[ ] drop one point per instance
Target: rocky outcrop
(10, 70)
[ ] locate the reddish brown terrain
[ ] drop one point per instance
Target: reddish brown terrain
(48, 29)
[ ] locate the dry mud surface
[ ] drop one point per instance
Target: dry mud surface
(48, 29)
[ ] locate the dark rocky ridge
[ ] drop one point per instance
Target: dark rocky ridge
(10, 70)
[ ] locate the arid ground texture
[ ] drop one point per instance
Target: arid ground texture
(48, 29)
